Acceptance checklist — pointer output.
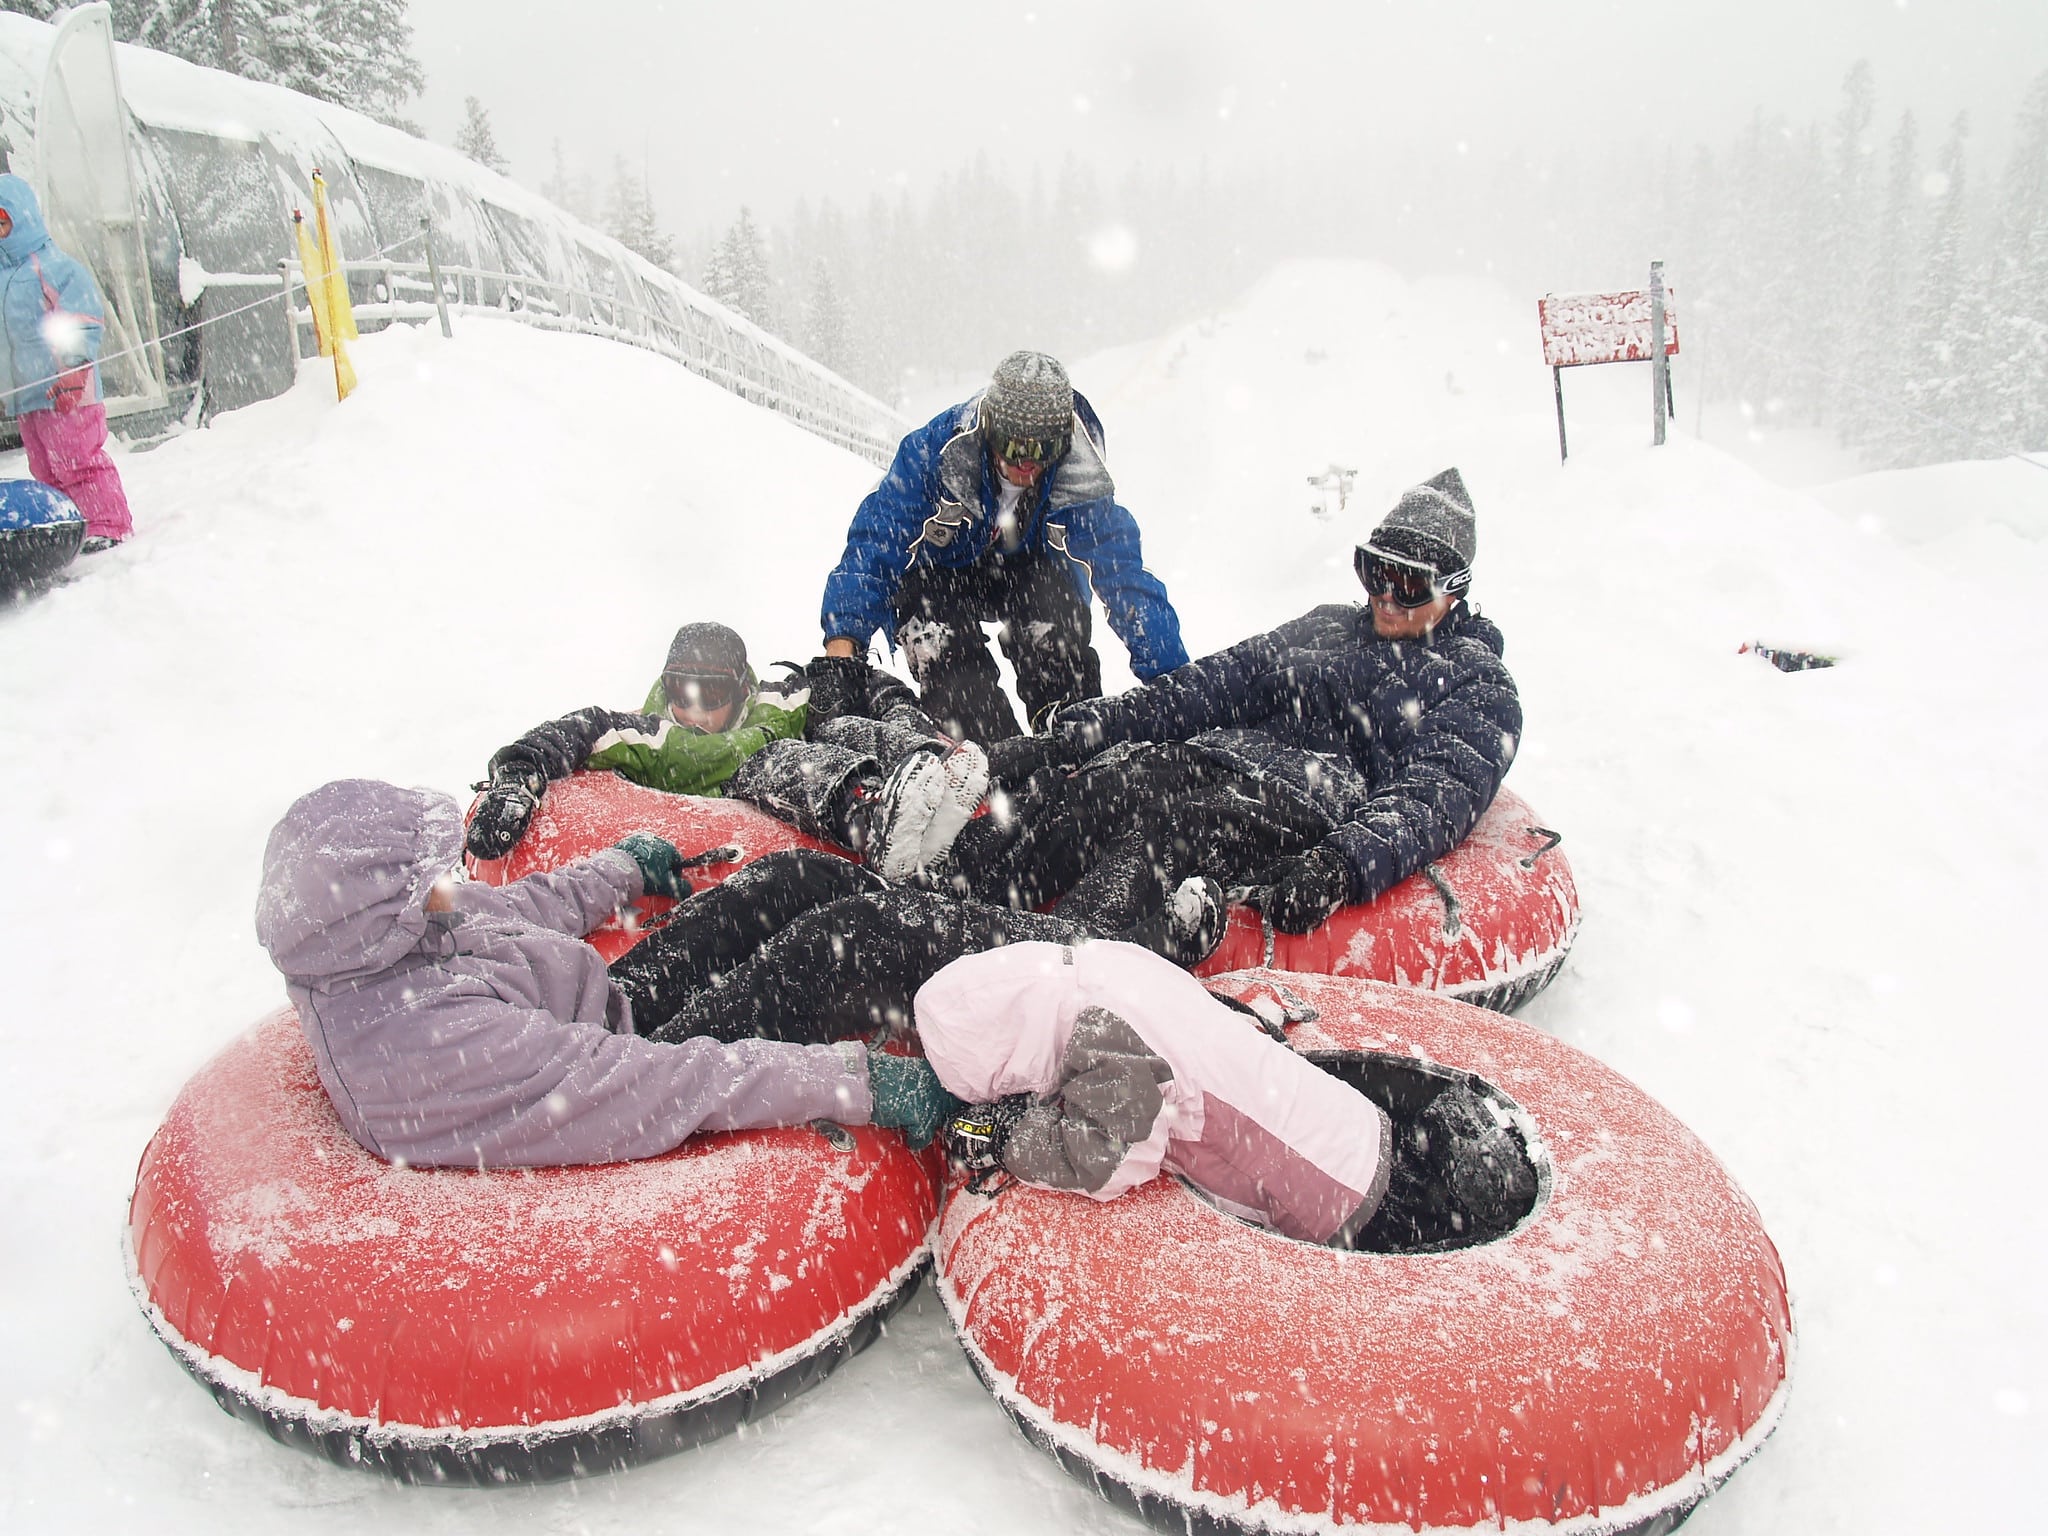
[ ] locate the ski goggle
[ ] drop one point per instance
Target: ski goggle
(1410, 583)
(1028, 451)
(709, 692)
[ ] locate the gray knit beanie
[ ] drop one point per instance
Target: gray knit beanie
(1432, 524)
(1029, 397)
(707, 650)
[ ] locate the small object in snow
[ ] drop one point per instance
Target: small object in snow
(1332, 488)
(1785, 660)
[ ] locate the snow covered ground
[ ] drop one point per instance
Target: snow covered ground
(1808, 897)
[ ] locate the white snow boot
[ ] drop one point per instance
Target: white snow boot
(901, 814)
(966, 768)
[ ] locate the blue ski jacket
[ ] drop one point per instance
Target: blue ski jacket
(1400, 744)
(50, 313)
(937, 506)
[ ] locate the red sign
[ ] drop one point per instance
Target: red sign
(1581, 328)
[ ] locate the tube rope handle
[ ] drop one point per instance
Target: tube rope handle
(1550, 840)
(1453, 920)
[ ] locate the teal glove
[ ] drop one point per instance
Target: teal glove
(661, 867)
(908, 1097)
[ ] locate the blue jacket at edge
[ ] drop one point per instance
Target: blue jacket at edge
(35, 279)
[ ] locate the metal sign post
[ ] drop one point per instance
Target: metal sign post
(1660, 365)
(434, 274)
(1639, 325)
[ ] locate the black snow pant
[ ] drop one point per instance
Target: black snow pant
(1111, 840)
(809, 783)
(1045, 634)
(806, 947)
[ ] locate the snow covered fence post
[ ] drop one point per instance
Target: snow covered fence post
(1639, 325)
(291, 311)
(434, 274)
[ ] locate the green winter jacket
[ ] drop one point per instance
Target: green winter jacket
(685, 761)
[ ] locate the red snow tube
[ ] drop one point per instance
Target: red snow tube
(1600, 1367)
(1489, 923)
(444, 1325)
(588, 811)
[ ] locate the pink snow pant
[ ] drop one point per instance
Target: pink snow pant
(70, 452)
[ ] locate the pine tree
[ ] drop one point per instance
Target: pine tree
(1945, 322)
(567, 190)
(1878, 370)
(476, 140)
(737, 274)
(356, 53)
(826, 330)
(2016, 389)
(1844, 272)
(630, 219)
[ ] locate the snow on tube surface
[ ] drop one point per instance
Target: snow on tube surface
(1490, 923)
(1600, 1368)
(588, 811)
(448, 1325)
(40, 531)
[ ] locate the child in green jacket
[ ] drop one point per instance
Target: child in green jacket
(839, 749)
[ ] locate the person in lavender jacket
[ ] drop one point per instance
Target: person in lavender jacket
(458, 1025)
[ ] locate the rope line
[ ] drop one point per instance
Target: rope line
(298, 283)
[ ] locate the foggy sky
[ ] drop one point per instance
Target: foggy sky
(767, 102)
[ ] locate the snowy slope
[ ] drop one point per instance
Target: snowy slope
(1807, 896)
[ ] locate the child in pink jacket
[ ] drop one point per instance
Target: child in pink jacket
(1094, 1067)
(51, 318)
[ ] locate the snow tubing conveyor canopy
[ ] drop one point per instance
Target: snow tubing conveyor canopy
(449, 1325)
(1490, 923)
(176, 185)
(1598, 1368)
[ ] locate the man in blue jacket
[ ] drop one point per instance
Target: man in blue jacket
(1000, 510)
(1352, 745)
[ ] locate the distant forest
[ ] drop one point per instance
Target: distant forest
(1843, 273)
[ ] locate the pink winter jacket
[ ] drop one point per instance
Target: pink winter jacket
(1137, 1069)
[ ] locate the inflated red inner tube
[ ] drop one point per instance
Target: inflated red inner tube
(1600, 1367)
(1490, 923)
(444, 1325)
(588, 811)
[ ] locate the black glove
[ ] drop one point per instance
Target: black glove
(508, 804)
(661, 867)
(839, 686)
(1306, 889)
(1013, 761)
(975, 1137)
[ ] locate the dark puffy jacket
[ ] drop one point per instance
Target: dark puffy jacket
(1401, 744)
(936, 506)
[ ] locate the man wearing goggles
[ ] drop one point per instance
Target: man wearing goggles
(839, 750)
(1000, 510)
(1322, 762)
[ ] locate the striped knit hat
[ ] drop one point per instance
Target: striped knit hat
(1432, 524)
(1030, 397)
